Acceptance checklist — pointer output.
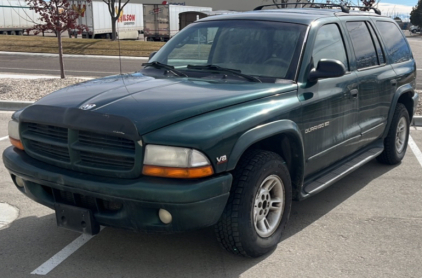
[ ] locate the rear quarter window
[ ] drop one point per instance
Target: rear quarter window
(397, 47)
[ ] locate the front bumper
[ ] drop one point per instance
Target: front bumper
(123, 203)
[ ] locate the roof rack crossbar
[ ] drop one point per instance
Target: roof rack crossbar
(344, 8)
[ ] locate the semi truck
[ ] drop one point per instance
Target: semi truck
(96, 17)
(16, 17)
(187, 18)
(161, 22)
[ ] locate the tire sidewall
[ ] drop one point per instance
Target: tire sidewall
(402, 114)
(252, 242)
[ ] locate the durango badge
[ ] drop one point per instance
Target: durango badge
(88, 106)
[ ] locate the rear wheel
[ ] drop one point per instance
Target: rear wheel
(395, 144)
(258, 207)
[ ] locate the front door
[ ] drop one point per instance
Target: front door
(330, 106)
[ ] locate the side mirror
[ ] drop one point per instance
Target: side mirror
(327, 68)
(152, 55)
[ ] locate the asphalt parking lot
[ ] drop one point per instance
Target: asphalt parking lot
(367, 225)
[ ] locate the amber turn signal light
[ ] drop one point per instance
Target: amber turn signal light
(179, 173)
(16, 143)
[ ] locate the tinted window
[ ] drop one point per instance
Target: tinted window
(393, 38)
(362, 44)
(259, 48)
(380, 53)
(329, 45)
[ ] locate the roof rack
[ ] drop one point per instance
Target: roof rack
(377, 11)
(344, 8)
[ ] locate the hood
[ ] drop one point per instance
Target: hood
(152, 103)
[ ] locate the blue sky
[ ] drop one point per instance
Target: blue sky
(401, 2)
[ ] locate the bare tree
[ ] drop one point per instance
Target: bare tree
(115, 8)
(57, 16)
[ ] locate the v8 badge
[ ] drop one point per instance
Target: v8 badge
(222, 159)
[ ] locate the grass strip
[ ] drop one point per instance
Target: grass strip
(38, 44)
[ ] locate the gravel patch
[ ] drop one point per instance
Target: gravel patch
(32, 89)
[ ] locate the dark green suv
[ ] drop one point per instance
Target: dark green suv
(268, 106)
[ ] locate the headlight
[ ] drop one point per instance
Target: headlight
(14, 137)
(175, 162)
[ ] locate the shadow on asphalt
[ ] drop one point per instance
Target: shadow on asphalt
(306, 212)
(31, 241)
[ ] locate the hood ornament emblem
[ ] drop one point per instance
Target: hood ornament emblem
(88, 106)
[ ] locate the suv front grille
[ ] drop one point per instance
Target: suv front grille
(100, 140)
(83, 151)
(48, 150)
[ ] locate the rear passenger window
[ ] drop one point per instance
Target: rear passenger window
(393, 38)
(362, 44)
(329, 45)
(381, 57)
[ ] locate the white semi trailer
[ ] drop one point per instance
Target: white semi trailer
(96, 17)
(16, 17)
(161, 22)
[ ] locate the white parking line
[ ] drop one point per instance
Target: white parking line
(415, 150)
(62, 255)
(4, 138)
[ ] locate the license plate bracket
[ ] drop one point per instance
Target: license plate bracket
(76, 219)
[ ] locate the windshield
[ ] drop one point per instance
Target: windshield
(255, 48)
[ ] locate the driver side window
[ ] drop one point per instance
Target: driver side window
(329, 45)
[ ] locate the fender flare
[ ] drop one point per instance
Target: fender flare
(262, 132)
(407, 88)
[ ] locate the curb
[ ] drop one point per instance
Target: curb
(72, 55)
(417, 121)
(10, 105)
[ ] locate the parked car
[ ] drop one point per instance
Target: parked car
(274, 105)
(415, 29)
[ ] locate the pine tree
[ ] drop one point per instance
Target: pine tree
(416, 14)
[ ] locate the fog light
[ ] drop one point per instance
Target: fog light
(19, 182)
(165, 216)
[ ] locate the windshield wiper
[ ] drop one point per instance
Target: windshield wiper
(169, 68)
(227, 70)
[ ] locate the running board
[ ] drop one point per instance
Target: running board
(341, 171)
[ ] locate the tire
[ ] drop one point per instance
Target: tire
(240, 229)
(395, 144)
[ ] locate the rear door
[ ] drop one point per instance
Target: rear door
(376, 80)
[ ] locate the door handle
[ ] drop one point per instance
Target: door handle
(354, 93)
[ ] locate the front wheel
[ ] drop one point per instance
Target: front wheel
(258, 207)
(395, 144)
